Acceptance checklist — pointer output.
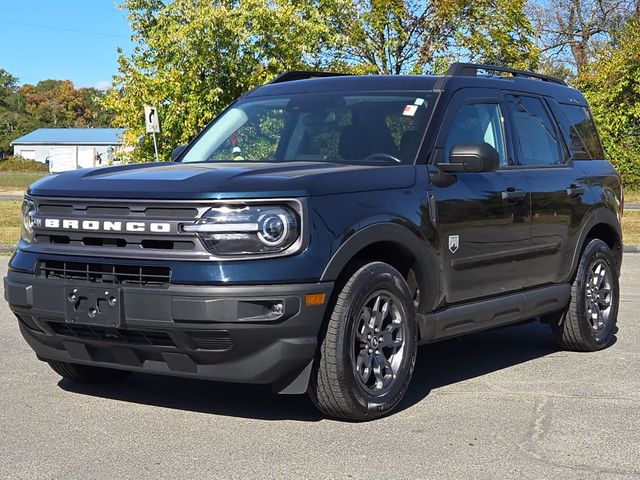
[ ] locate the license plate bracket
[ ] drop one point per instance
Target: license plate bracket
(91, 305)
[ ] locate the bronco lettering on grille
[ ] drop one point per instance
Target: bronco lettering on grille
(105, 225)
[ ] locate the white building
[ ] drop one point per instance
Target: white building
(69, 148)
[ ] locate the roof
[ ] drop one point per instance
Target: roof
(72, 136)
(372, 83)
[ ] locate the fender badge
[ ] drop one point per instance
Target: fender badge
(454, 243)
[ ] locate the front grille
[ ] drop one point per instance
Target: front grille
(135, 275)
(129, 337)
(117, 239)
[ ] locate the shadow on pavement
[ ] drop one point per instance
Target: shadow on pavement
(438, 365)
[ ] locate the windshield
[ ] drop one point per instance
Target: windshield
(381, 127)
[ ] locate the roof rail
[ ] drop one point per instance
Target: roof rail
(471, 70)
(301, 75)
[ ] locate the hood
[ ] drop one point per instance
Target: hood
(223, 180)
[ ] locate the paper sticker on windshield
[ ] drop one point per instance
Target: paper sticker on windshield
(419, 101)
(410, 110)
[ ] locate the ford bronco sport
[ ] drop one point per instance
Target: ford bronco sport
(321, 228)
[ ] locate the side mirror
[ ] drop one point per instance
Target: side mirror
(471, 157)
(177, 151)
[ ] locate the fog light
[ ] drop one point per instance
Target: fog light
(277, 309)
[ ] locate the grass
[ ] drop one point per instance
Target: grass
(9, 222)
(631, 227)
(631, 197)
(18, 181)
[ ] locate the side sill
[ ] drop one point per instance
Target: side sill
(494, 312)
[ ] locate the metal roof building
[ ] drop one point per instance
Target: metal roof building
(40, 144)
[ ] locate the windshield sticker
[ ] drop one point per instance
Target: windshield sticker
(410, 110)
(419, 101)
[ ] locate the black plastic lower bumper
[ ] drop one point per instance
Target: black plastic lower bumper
(251, 334)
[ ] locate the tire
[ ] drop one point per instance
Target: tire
(87, 374)
(586, 325)
(357, 376)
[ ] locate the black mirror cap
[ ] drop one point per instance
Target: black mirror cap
(175, 154)
(472, 157)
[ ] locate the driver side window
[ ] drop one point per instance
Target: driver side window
(478, 123)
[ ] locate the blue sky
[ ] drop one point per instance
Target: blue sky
(62, 39)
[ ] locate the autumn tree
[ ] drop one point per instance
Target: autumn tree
(570, 30)
(53, 102)
(49, 103)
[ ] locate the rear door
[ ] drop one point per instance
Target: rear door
(557, 187)
(483, 218)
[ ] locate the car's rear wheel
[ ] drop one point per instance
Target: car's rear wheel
(589, 322)
(85, 373)
(368, 352)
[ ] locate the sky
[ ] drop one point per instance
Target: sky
(63, 39)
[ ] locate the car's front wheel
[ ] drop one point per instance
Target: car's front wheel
(368, 352)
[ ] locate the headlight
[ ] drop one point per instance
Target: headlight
(28, 212)
(237, 230)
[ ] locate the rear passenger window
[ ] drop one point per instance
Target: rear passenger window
(478, 123)
(534, 132)
(581, 132)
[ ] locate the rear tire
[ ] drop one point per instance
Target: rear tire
(368, 352)
(588, 324)
(87, 374)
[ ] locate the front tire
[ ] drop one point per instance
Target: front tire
(588, 324)
(368, 353)
(87, 374)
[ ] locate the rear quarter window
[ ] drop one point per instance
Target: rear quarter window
(580, 131)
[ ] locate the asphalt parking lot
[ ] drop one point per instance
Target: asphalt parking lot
(500, 404)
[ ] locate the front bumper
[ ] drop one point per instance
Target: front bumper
(225, 333)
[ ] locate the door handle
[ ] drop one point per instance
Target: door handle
(575, 190)
(512, 195)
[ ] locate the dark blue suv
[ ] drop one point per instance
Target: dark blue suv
(321, 228)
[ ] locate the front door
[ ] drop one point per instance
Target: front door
(483, 219)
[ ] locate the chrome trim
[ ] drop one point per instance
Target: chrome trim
(221, 228)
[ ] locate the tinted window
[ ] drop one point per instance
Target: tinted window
(534, 132)
(478, 123)
(581, 132)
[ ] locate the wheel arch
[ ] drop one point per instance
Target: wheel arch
(396, 245)
(602, 224)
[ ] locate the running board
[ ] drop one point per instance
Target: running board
(494, 312)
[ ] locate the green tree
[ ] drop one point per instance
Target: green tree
(94, 113)
(611, 83)
(411, 36)
(14, 120)
(194, 57)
